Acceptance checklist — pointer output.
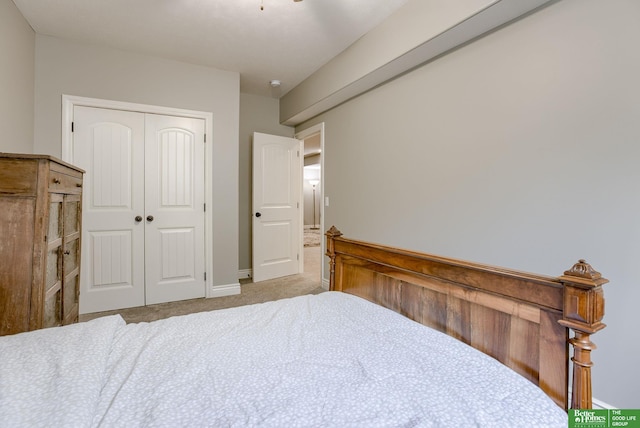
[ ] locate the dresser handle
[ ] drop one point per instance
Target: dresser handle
(56, 181)
(78, 184)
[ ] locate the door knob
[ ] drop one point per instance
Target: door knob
(149, 218)
(138, 218)
(258, 215)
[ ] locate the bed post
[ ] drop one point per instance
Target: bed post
(583, 312)
(331, 234)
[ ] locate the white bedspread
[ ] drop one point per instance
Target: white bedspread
(328, 360)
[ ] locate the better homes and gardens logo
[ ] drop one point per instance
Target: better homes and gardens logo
(589, 418)
(603, 418)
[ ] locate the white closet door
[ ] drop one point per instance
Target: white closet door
(109, 146)
(143, 208)
(174, 208)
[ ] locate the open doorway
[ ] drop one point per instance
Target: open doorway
(312, 190)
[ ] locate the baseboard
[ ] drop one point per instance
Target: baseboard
(224, 290)
(597, 404)
(248, 273)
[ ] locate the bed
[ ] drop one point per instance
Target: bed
(495, 353)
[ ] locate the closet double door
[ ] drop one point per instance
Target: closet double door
(143, 207)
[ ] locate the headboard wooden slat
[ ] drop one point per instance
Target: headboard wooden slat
(491, 278)
(519, 318)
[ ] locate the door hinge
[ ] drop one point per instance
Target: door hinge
(205, 138)
(298, 205)
(205, 207)
(298, 257)
(71, 126)
(298, 153)
(205, 276)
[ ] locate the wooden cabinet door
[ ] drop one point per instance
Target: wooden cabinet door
(63, 261)
(71, 258)
(52, 315)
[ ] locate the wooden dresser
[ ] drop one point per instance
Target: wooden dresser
(40, 224)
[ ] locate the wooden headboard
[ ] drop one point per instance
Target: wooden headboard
(519, 318)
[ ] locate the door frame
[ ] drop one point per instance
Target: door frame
(71, 101)
(301, 135)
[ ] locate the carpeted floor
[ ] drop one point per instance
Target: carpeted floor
(308, 282)
(312, 237)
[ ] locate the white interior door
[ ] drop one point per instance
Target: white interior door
(174, 208)
(143, 208)
(277, 171)
(109, 146)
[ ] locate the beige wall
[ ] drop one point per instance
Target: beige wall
(257, 114)
(418, 31)
(308, 190)
(17, 54)
(64, 67)
(520, 149)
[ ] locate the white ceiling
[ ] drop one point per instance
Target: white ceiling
(287, 40)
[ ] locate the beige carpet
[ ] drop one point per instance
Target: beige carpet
(312, 237)
(308, 282)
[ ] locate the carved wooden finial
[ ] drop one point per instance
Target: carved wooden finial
(583, 313)
(332, 234)
(583, 298)
(583, 269)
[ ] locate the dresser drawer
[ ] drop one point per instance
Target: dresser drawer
(18, 177)
(63, 183)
